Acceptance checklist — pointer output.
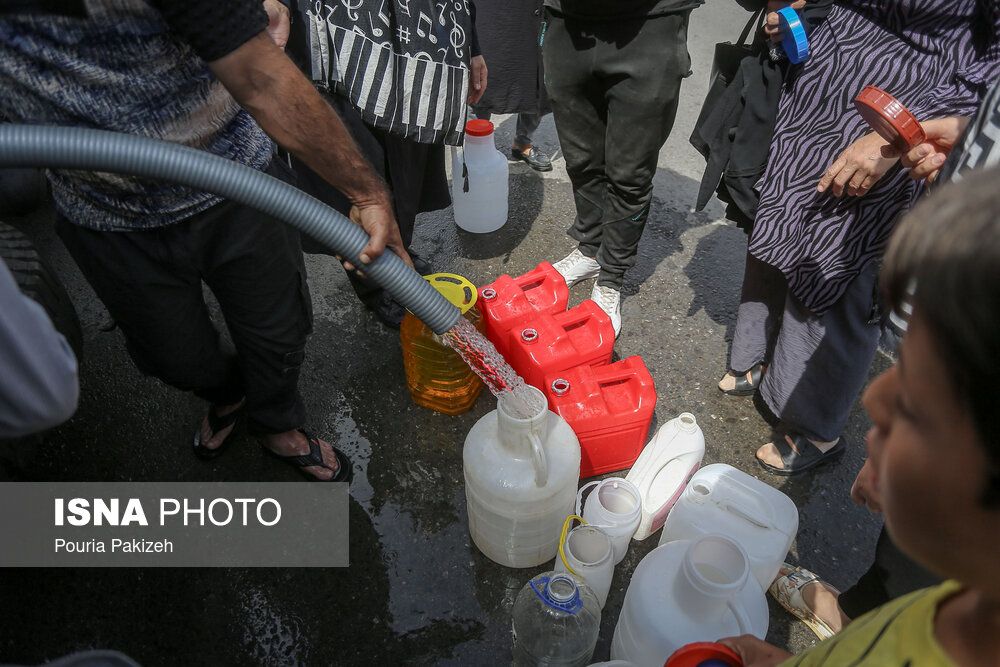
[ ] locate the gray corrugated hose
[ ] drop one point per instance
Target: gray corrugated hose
(99, 150)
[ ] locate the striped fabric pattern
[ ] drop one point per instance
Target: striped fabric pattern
(927, 54)
(405, 71)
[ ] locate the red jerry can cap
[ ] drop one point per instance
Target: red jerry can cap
(889, 118)
(479, 127)
(704, 654)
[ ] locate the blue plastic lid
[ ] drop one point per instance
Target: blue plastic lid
(795, 43)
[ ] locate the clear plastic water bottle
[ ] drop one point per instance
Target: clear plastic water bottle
(556, 620)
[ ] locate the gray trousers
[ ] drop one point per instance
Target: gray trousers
(817, 365)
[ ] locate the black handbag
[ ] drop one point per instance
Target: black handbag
(713, 133)
(727, 57)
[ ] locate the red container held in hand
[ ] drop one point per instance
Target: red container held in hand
(549, 344)
(609, 408)
(509, 301)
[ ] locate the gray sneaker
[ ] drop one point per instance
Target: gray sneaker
(576, 267)
(610, 301)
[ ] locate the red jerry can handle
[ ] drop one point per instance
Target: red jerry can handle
(505, 290)
(587, 310)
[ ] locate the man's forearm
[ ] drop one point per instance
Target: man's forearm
(269, 86)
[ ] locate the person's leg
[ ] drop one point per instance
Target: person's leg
(641, 64)
(523, 149)
(253, 263)
(579, 111)
(819, 365)
(527, 123)
(758, 319)
(150, 285)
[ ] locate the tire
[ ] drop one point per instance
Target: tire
(37, 280)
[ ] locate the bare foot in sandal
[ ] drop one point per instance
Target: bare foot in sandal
(796, 454)
(312, 456)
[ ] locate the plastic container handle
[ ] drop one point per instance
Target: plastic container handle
(739, 510)
(656, 472)
(579, 496)
(741, 617)
(579, 504)
(562, 540)
(538, 459)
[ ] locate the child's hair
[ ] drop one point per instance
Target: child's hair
(944, 259)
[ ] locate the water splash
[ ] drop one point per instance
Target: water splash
(502, 380)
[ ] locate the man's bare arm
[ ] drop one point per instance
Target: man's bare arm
(279, 97)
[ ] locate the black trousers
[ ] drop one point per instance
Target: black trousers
(151, 283)
(414, 172)
(614, 88)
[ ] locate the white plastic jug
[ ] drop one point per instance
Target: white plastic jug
(588, 553)
(663, 467)
(520, 482)
(479, 180)
(616, 506)
(688, 591)
(721, 499)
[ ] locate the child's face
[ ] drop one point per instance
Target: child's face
(928, 466)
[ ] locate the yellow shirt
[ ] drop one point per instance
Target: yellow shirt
(898, 633)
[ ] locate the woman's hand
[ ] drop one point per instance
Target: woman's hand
(924, 160)
(771, 20)
(754, 652)
(858, 168)
(477, 79)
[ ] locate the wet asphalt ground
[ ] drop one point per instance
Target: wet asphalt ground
(417, 591)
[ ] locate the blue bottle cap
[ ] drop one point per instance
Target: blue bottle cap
(795, 43)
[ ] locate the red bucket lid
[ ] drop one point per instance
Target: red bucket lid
(479, 128)
(692, 655)
(889, 118)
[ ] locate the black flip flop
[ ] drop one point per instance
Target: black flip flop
(216, 424)
(746, 387)
(345, 470)
(808, 455)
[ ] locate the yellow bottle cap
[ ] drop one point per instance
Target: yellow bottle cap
(458, 290)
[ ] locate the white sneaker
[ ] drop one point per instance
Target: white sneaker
(610, 301)
(576, 267)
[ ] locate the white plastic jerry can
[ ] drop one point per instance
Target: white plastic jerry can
(722, 499)
(664, 467)
(520, 482)
(479, 180)
(688, 591)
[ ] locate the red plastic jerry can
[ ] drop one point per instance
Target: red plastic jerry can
(550, 344)
(609, 408)
(507, 301)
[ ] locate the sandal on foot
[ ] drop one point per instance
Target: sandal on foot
(803, 455)
(787, 590)
(315, 458)
(216, 424)
(745, 387)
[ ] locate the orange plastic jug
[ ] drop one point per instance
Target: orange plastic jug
(437, 377)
